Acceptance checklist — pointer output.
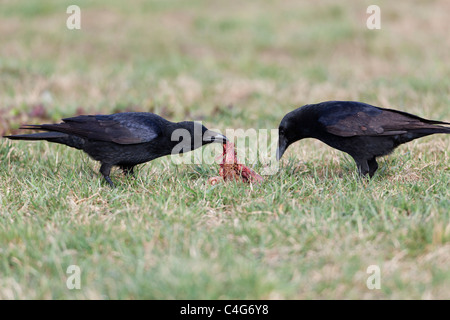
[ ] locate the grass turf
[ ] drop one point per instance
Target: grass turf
(309, 231)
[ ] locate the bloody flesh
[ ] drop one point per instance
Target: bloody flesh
(230, 169)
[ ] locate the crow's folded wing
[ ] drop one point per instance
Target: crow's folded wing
(386, 122)
(119, 128)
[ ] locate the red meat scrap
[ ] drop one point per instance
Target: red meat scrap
(231, 169)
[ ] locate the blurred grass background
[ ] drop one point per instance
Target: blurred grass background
(308, 232)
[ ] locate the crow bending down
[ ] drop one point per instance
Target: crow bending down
(363, 131)
(124, 139)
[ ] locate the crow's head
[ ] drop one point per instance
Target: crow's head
(291, 129)
(190, 135)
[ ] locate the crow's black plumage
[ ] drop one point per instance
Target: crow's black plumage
(363, 131)
(124, 139)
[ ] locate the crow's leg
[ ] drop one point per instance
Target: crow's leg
(105, 169)
(363, 166)
(127, 170)
(373, 166)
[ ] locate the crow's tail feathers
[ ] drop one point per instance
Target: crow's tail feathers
(37, 136)
(435, 122)
(56, 137)
(433, 129)
(443, 129)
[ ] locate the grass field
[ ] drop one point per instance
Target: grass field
(309, 231)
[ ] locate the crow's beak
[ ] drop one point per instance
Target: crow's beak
(282, 146)
(211, 136)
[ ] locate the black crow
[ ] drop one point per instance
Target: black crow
(363, 131)
(124, 139)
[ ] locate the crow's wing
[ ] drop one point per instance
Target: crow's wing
(125, 128)
(377, 122)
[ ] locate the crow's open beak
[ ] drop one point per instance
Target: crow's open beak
(211, 136)
(282, 146)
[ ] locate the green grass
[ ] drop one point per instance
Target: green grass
(310, 231)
